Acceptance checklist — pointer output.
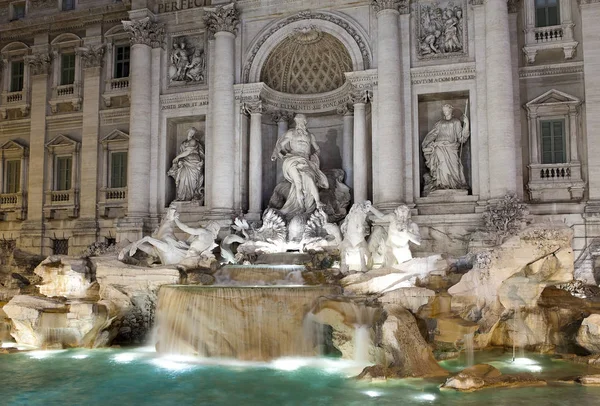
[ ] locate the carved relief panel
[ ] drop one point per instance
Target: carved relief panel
(187, 60)
(441, 29)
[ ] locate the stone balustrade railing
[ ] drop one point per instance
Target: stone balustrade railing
(60, 197)
(119, 84)
(11, 200)
(64, 90)
(548, 34)
(115, 194)
(13, 97)
(552, 172)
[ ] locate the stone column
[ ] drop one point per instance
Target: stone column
(255, 162)
(361, 173)
(145, 35)
(32, 230)
(389, 73)
(222, 21)
(590, 17)
(282, 118)
(87, 227)
(533, 138)
(500, 109)
(347, 113)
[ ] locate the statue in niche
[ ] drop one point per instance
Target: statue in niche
(188, 169)
(440, 30)
(299, 151)
(188, 62)
(442, 148)
(395, 242)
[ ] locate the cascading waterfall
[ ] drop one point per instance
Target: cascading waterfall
(519, 337)
(469, 349)
(362, 343)
(251, 323)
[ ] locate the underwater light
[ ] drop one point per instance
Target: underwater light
(426, 396)
(43, 354)
(289, 364)
(524, 361)
(80, 356)
(372, 393)
(170, 364)
(125, 357)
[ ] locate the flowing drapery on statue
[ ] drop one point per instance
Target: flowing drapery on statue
(188, 169)
(300, 154)
(442, 150)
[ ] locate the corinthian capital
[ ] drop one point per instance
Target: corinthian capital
(253, 107)
(397, 5)
(361, 95)
(145, 32)
(281, 115)
(92, 57)
(39, 64)
(221, 18)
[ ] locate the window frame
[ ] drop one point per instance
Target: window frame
(117, 61)
(13, 10)
(70, 70)
(14, 151)
(6, 181)
(565, 142)
(64, 3)
(123, 169)
(546, 16)
(12, 76)
(58, 180)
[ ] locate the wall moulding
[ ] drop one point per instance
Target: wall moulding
(448, 73)
(184, 100)
(551, 70)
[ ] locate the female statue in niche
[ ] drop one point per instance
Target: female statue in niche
(188, 169)
(442, 148)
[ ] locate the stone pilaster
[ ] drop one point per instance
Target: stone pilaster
(360, 147)
(32, 231)
(499, 91)
(389, 69)
(347, 113)
(145, 35)
(85, 233)
(255, 109)
(222, 22)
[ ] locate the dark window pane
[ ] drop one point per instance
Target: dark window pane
(122, 61)
(13, 176)
(60, 247)
(68, 5)
(63, 173)
(553, 141)
(18, 11)
(553, 16)
(67, 69)
(17, 69)
(118, 170)
(540, 17)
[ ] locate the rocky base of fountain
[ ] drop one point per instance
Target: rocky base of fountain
(400, 319)
(484, 376)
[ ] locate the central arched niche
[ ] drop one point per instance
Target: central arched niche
(308, 61)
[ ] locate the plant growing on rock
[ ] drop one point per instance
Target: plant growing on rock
(504, 218)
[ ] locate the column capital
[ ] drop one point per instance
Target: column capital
(282, 115)
(92, 57)
(222, 18)
(253, 107)
(361, 96)
(345, 110)
(402, 6)
(39, 63)
(146, 32)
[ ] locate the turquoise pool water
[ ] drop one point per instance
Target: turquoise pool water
(141, 377)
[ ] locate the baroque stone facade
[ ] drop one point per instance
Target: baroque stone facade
(97, 110)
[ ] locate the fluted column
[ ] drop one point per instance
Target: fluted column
(360, 150)
(389, 74)
(500, 109)
(282, 118)
(145, 35)
(222, 22)
(255, 109)
(347, 113)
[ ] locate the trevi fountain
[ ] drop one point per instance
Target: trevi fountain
(324, 287)
(320, 302)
